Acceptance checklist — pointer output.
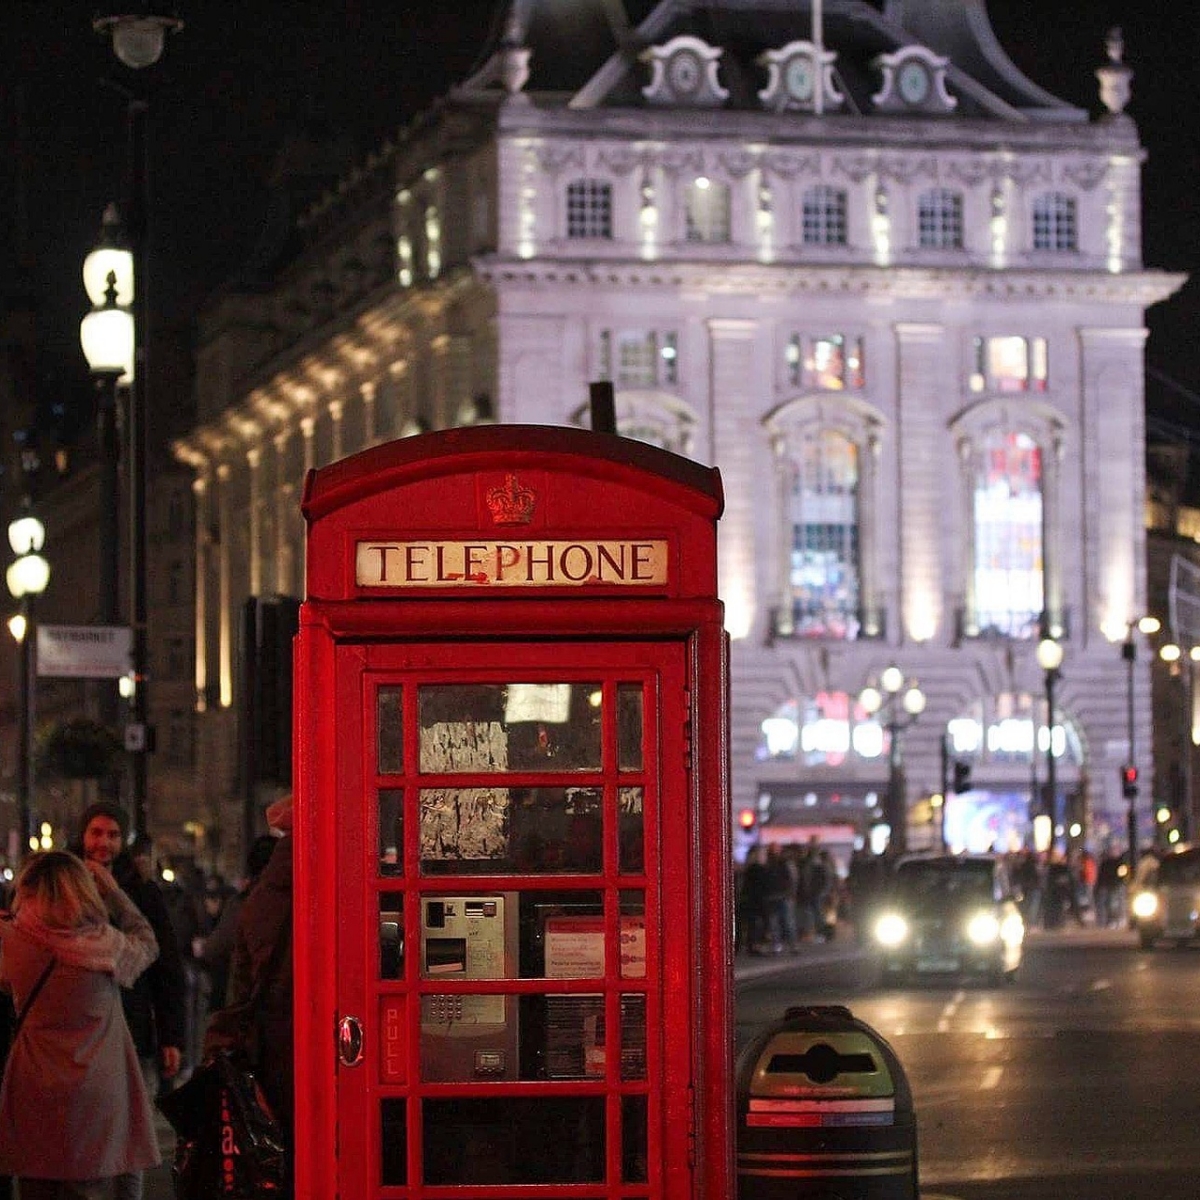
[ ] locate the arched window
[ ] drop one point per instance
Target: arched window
(824, 216)
(940, 220)
(707, 211)
(652, 417)
(823, 517)
(1008, 575)
(1055, 224)
(589, 209)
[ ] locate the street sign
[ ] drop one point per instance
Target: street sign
(84, 651)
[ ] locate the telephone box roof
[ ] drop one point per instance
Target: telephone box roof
(452, 451)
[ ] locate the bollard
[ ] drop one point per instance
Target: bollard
(824, 1112)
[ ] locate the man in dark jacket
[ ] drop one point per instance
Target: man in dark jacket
(261, 967)
(155, 1007)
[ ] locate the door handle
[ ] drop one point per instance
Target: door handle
(350, 1041)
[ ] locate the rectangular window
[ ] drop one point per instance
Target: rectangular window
(824, 217)
(707, 212)
(940, 220)
(832, 363)
(1008, 565)
(824, 567)
(1009, 364)
(589, 209)
(637, 358)
(1055, 225)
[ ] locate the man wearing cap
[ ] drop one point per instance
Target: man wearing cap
(155, 1008)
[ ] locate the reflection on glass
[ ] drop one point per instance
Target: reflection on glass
(574, 1037)
(633, 1139)
(391, 831)
(629, 726)
(393, 1144)
(633, 1037)
(466, 829)
(633, 935)
(509, 727)
(562, 936)
(514, 1139)
(632, 830)
(391, 936)
(528, 831)
(390, 736)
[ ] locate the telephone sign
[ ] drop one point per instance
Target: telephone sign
(512, 823)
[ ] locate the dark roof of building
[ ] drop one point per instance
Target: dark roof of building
(571, 40)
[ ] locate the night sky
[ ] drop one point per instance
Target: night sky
(244, 74)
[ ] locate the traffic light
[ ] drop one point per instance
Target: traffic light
(747, 820)
(962, 777)
(1129, 776)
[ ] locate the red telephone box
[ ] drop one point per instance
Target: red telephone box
(512, 905)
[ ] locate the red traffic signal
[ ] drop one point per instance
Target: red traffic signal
(747, 819)
(1129, 779)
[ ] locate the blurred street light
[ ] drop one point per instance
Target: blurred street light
(1146, 625)
(27, 577)
(1049, 658)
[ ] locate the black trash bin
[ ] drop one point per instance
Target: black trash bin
(824, 1111)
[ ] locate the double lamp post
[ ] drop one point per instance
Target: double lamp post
(115, 340)
(899, 703)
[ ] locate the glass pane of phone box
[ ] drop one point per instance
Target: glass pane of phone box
(474, 1038)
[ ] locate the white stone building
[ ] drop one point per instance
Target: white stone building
(852, 257)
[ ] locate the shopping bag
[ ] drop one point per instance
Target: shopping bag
(228, 1143)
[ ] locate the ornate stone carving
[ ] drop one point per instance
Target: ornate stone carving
(914, 82)
(1115, 77)
(787, 165)
(620, 159)
(684, 74)
(1086, 173)
(800, 79)
(738, 163)
(553, 158)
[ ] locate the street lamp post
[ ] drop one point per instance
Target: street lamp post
(138, 40)
(27, 577)
(1182, 666)
(1050, 657)
(1129, 772)
(900, 702)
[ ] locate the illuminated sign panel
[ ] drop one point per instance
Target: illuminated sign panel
(516, 563)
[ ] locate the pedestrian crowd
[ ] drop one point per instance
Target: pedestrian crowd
(791, 893)
(113, 982)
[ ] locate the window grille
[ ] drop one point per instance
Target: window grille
(589, 209)
(824, 217)
(1055, 225)
(940, 220)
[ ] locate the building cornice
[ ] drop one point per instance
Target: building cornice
(1142, 288)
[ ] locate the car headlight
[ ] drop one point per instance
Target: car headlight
(1012, 930)
(984, 929)
(1145, 905)
(891, 929)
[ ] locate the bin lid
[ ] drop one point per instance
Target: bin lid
(824, 1064)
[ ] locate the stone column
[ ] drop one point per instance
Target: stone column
(921, 458)
(734, 375)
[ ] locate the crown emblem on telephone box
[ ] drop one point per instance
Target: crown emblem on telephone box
(512, 503)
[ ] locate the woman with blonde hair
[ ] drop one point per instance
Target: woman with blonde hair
(73, 1107)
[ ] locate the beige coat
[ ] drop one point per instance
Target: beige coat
(73, 1104)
